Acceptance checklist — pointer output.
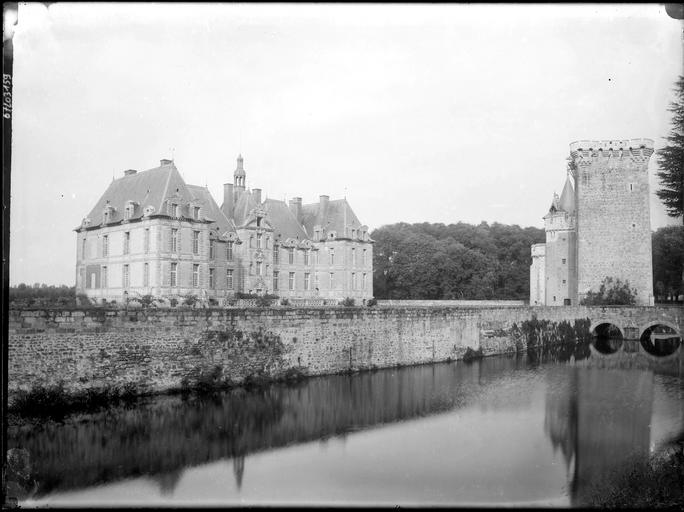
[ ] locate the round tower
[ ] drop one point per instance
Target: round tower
(613, 214)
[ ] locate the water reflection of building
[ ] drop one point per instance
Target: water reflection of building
(174, 433)
(600, 420)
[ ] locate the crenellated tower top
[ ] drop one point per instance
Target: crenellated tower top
(584, 152)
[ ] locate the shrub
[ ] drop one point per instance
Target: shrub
(147, 301)
(173, 302)
(611, 293)
(190, 300)
(284, 301)
(372, 302)
(348, 302)
(471, 355)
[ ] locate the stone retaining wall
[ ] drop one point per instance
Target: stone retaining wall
(157, 349)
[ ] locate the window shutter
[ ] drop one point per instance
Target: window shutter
(166, 273)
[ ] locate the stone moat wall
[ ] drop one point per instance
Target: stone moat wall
(160, 349)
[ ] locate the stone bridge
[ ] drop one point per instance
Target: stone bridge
(654, 332)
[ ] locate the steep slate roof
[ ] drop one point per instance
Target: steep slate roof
(210, 209)
(245, 203)
(147, 188)
(283, 220)
(332, 219)
(567, 198)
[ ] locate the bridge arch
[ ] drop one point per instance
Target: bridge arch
(608, 335)
(660, 339)
(611, 321)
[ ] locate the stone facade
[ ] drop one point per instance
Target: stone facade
(599, 227)
(153, 234)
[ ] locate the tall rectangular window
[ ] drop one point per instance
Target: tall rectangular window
(229, 279)
(353, 257)
(276, 255)
(105, 245)
(174, 240)
(563, 261)
(146, 274)
(258, 241)
(211, 278)
(195, 242)
(332, 280)
(307, 281)
(211, 249)
(147, 240)
(127, 242)
(83, 249)
(353, 281)
(332, 256)
(291, 281)
(196, 212)
(258, 268)
(306, 256)
(103, 281)
(195, 275)
(275, 280)
(290, 255)
(364, 258)
(174, 274)
(125, 276)
(229, 251)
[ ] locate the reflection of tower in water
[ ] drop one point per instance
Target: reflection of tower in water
(168, 481)
(601, 421)
(238, 469)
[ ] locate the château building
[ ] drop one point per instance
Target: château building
(151, 233)
(599, 226)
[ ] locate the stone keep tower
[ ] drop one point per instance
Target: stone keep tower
(613, 218)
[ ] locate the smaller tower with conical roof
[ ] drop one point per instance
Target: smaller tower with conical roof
(560, 283)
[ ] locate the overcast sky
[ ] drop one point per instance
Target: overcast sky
(436, 113)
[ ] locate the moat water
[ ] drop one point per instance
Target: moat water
(527, 429)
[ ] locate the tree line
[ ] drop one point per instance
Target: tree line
(455, 261)
(464, 261)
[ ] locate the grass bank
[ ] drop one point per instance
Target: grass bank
(655, 483)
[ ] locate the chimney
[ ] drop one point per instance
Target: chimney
(296, 208)
(165, 161)
(256, 195)
(228, 200)
(324, 205)
(129, 172)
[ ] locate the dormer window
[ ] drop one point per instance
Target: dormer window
(107, 214)
(177, 211)
(129, 210)
(196, 212)
(353, 233)
(258, 222)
